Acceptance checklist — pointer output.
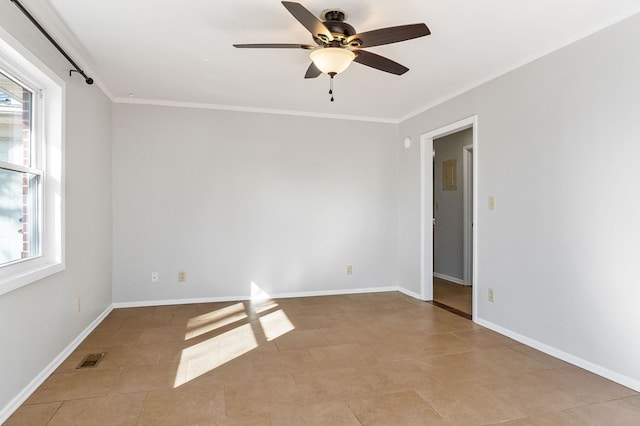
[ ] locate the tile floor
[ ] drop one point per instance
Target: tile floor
(451, 294)
(369, 359)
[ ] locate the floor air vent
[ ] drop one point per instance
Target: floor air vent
(91, 360)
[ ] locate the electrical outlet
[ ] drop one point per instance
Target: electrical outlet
(182, 276)
(492, 203)
(491, 295)
(155, 277)
(78, 304)
(349, 269)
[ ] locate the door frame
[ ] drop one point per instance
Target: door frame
(426, 205)
(467, 194)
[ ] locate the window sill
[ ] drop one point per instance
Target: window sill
(15, 280)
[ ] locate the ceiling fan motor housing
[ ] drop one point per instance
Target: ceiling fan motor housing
(334, 21)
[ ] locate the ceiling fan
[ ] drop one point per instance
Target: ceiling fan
(337, 43)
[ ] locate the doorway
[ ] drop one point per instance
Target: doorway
(442, 181)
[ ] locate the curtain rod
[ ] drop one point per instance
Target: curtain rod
(77, 69)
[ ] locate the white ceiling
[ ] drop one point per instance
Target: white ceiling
(177, 51)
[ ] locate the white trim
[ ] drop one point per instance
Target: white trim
(410, 293)
(557, 353)
(426, 205)
(448, 278)
(154, 102)
(147, 303)
(467, 211)
(426, 217)
(19, 399)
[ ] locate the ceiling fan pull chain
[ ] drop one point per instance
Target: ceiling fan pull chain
(331, 85)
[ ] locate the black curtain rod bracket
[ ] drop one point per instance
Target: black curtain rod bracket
(77, 69)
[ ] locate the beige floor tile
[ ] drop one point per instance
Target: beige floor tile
(634, 400)
(301, 340)
(442, 344)
(383, 358)
(590, 387)
(483, 339)
(238, 370)
(328, 413)
(37, 414)
(343, 355)
(539, 356)
(148, 321)
(283, 363)
(347, 334)
(619, 413)
(127, 313)
(194, 405)
(111, 338)
(534, 395)
(560, 418)
(146, 378)
(113, 410)
(257, 420)
(444, 323)
(332, 385)
(476, 365)
(172, 352)
(188, 310)
(260, 396)
(404, 408)
(78, 384)
(323, 310)
(470, 404)
(159, 335)
(508, 361)
(395, 376)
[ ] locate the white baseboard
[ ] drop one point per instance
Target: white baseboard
(448, 278)
(146, 303)
(410, 293)
(549, 350)
(19, 399)
(334, 292)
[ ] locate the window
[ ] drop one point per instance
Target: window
(31, 197)
(20, 177)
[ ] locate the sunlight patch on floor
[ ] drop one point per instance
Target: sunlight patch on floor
(212, 353)
(211, 321)
(275, 324)
(259, 319)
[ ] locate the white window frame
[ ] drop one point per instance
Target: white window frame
(49, 144)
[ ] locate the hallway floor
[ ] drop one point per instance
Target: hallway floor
(453, 295)
(366, 359)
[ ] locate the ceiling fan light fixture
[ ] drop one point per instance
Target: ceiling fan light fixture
(332, 60)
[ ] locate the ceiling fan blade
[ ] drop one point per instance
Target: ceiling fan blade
(390, 35)
(308, 20)
(312, 71)
(379, 62)
(274, 46)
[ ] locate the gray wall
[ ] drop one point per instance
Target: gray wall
(448, 235)
(558, 148)
(233, 198)
(38, 321)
